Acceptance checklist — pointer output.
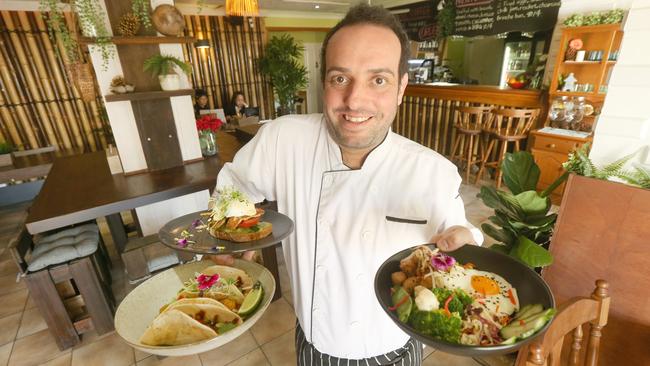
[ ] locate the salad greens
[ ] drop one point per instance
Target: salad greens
(437, 324)
(459, 301)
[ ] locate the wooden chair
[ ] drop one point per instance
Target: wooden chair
(570, 318)
(469, 123)
(506, 126)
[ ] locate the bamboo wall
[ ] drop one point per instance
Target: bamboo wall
(38, 105)
(230, 64)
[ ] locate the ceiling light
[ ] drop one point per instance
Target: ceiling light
(242, 8)
(202, 43)
(317, 6)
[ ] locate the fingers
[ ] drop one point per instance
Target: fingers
(223, 259)
(452, 238)
(249, 255)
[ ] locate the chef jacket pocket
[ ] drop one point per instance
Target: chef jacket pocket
(406, 230)
(405, 220)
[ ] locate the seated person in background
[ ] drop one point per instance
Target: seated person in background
(235, 111)
(201, 98)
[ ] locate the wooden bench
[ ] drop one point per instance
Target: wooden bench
(73, 297)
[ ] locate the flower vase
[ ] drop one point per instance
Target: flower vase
(208, 142)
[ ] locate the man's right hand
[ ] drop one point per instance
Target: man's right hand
(228, 260)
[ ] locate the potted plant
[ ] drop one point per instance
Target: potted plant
(163, 67)
(280, 63)
(5, 154)
(521, 223)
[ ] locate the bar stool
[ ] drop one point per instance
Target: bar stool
(469, 125)
(506, 126)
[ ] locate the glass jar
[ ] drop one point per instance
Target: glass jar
(208, 142)
(578, 113)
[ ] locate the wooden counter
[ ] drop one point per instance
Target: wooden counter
(427, 111)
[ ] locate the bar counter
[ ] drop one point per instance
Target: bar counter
(427, 111)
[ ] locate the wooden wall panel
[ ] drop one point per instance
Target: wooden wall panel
(38, 105)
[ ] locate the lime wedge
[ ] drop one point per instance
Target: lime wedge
(252, 300)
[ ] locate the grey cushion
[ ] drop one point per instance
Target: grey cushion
(64, 246)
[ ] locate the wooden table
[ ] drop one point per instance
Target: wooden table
(80, 188)
(246, 133)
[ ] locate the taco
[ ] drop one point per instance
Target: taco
(241, 278)
(208, 314)
(175, 328)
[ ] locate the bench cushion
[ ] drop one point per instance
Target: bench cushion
(64, 246)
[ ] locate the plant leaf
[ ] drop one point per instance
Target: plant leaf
(502, 235)
(501, 202)
(531, 253)
(520, 173)
(499, 247)
(532, 204)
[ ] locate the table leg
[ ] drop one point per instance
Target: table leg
(116, 226)
(271, 263)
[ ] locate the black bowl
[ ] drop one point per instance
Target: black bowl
(531, 289)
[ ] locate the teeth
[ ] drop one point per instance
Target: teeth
(356, 119)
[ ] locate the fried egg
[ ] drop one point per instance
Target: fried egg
(489, 289)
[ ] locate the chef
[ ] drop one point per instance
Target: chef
(357, 192)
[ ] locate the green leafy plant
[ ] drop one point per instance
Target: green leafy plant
(6, 148)
(580, 163)
(280, 63)
(164, 65)
(446, 18)
(521, 223)
(607, 17)
(91, 18)
(141, 10)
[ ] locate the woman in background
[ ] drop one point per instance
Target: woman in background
(235, 111)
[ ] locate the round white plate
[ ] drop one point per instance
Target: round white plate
(142, 305)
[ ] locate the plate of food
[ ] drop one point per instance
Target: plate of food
(473, 301)
(194, 307)
(232, 225)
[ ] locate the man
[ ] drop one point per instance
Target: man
(357, 192)
(201, 102)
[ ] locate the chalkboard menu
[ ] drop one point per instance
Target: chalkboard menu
(418, 20)
(485, 17)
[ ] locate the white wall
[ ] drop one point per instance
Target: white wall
(625, 120)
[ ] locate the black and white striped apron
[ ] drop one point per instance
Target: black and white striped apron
(308, 355)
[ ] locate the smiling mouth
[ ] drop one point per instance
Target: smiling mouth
(356, 119)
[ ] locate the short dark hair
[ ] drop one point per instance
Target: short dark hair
(198, 93)
(376, 15)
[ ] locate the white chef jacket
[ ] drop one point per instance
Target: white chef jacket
(341, 232)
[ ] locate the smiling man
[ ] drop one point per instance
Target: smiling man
(357, 192)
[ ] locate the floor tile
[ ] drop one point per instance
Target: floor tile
(110, 351)
(9, 327)
(8, 267)
(31, 323)
(500, 360)
(139, 355)
(440, 358)
(427, 351)
(5, 351)
(477, 212)
(35, 349)
(64, 360)
(255, 358)
(8, 284)
(282, 350)
(13, 303)
(192, 360)
(30, 303)
(92, 337)
(230, 352)
(288, 296)
(278, 319)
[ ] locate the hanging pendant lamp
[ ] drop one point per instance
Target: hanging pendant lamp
(242, 8)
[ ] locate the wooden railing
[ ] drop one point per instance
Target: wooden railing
(427, 112)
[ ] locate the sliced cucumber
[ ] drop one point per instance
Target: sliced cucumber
(528, 310)
(404, 308)
(523, 328)
(510, 340)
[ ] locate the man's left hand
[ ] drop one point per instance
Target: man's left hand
(453, 238)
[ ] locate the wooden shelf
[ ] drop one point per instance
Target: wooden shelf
(579, 94)
(148, 95)
(140, 40)
(581, 62)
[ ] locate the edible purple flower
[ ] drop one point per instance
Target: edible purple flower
(442, 262)
(195, 223)
(182, 242)
(206, 281)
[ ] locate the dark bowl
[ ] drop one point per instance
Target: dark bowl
(531, 289)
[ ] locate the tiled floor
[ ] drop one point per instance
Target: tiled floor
(25, 339)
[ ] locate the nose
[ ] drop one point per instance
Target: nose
(355, 95)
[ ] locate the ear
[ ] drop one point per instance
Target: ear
(402, 87)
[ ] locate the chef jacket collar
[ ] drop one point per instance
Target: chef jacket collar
(375, 157)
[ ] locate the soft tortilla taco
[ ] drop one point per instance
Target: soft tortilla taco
(175, 328)
(208, 314)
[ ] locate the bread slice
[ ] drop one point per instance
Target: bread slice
(240, 235)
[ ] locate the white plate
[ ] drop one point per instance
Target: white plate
(142, 305)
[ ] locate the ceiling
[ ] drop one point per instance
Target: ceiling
(302, 6)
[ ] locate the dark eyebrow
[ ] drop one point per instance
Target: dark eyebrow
(372, 71)
(337, 68)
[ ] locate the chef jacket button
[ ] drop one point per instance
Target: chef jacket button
(320, 267)
(365, 235)
(374, 189)
(360, 277)
(354, 323)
